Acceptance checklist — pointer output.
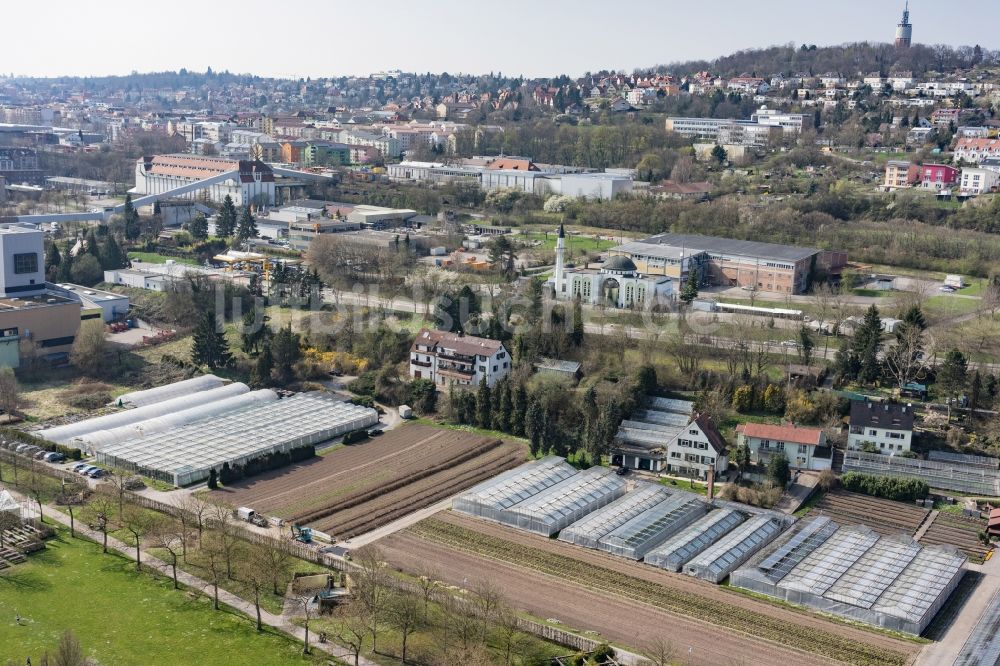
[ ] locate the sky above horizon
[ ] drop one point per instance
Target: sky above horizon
(299, 38)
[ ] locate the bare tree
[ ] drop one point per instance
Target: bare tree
(659, 652)
(905, 359)
(215, 564)
(255, 575)
(138, 522)
(101, 511)
(304, 603)
(353, 628)
(9, 392)
(116, 483)
(69, 652)
(404, 614)
(486, 603)
(171, 535)
(428, 581)
(196, 507)
(221, 516)
(277, 557)
(371, 585)
(72, 495)
(37, 487)
(509, 636)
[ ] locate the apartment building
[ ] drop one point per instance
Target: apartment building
(974, 151)
(454, 359)
(900, 174)
(975, 181)
(938, 177)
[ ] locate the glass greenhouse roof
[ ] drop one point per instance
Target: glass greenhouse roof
(589, 529)
(734, 548)
(916, 590)
(517, 485)
(802, 542)
(654, 524)
(821, 569)
(577, 492)
(686, 544)
(868, 578)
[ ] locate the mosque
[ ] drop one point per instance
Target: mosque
(618, 283)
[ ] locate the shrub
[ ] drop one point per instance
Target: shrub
(743, 399)
(902, 490)
(827, 480)
(355, 436)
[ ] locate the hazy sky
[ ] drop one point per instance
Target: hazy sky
(530, 37)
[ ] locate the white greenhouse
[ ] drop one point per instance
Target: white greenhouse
(71, 433)
(168, 391)
(186, 454)
(589, 530)
(684, 546)
(649, 529)
(885, 581)
(101, 439)
(566, 502)
(732, 550)
(491, 498)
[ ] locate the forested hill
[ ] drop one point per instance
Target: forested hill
(846, 59)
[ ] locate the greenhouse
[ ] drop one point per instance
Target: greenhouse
(101, 439)
(649, 529)
(974, 478)
(71, 433)
(491, 498)
(684, 546)
(887, 581)
(734, 549)
(565, 502)
(185, 454)
(590, 529)
(168, 391)
(983, 645)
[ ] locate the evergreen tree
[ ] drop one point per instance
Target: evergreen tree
(261, 373)
(286, 349)
(93, 247)
(254, 332)
(484, 405)
(112, 256)
(209, 346)
(952, 375)
(576, 337)
(225, 222)
(66, 268)
(866, 346)
(690, 290)
(213, 479)
(131, 217)
(778, 470)
(914, 316)
(198, 227)
(247, 227)
(806, 345)
(535, 426)
(505, 407)
(520, 411)
(590, 416)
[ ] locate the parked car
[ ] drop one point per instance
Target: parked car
(789, 343)
(54, 457)
(96, 473)
(622, 471)
(375, 432)
(87, 470)
(40, 454)
(79, 467)
(21, 448)
(945, 288)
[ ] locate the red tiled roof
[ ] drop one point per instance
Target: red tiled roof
(467, 345)
(781, 433)
(518, 165)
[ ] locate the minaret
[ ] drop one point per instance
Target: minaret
(560, 259)
(904, 30)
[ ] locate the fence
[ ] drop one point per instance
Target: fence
(971, 479)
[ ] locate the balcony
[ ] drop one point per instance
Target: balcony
(457, 374)
(422, 364)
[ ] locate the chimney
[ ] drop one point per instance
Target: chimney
(711, 484)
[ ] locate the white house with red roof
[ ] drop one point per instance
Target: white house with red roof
(805, 448)
(449, 359)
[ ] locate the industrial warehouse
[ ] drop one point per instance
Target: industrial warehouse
(885, 581)
(179, 433)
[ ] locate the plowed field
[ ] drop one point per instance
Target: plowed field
(360, 487)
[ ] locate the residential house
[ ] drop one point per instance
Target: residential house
(454, 359)
(938, 177)
(805, 448)
(887, 426)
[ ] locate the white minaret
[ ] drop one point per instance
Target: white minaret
(560, 260)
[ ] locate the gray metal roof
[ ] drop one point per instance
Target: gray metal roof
(693, 243)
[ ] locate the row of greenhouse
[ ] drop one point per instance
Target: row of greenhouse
(885, 581)
(179, 432)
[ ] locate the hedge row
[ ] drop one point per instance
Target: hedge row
(893, 488)
(265, 463)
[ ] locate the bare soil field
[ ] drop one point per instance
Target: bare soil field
(882, 515)
(634, 609)
(359, 487)
(958, 531)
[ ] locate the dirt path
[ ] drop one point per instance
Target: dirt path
(677, 581)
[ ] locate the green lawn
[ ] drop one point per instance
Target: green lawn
(946, 306)
(153, 258)
(121, 616)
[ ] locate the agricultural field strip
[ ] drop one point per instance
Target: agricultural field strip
(825, 642)
(296, 489)
(956, 531)
(384, 509)
(382, 485)
(882, 516)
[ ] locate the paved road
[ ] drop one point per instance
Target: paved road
(945, 651)
(279, 622)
